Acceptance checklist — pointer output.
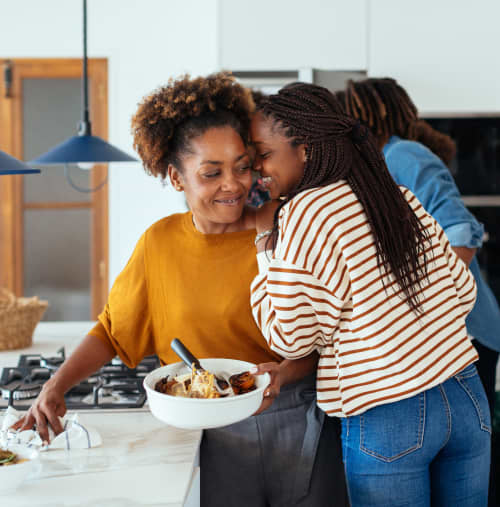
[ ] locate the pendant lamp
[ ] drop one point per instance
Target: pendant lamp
(84, 148)
(10, 165)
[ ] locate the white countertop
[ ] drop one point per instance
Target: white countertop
(141, 461)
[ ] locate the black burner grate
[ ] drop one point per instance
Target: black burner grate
(113, 386)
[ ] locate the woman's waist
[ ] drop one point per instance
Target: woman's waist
(351, 388)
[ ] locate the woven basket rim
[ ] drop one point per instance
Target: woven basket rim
(15, 306)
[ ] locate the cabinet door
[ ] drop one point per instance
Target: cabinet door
(292, 34)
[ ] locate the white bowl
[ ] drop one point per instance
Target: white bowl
(12, 476)
(194, 413)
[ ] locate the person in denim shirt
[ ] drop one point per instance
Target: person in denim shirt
(414, 166)
(393, 118)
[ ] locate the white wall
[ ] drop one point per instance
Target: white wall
(146, 42)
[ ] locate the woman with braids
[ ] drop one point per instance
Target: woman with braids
(361, 273)
(416, 155)
(189, 277)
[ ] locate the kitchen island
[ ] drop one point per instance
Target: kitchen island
(141, 460)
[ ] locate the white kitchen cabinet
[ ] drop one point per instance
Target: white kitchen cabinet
(444, 53)
(292, 34)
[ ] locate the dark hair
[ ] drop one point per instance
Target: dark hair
(258, 96)
(384, 105)
(171, 117)
(339, 147)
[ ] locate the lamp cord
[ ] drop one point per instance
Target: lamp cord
(82, 189)
(85, 127)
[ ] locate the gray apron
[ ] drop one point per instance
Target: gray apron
(290, 455)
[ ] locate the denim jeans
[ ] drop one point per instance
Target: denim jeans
(431, 449)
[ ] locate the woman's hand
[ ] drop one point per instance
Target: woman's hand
(87, 358)
(45, 411)
(283, 373)
(264, 221)
(273, 389)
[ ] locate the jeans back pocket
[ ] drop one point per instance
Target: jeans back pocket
(389, 432)
(470, 382)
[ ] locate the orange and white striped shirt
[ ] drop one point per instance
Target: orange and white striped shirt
(322, 290)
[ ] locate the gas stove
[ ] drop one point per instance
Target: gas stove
(114, 386)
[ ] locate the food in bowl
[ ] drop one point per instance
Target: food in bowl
(242, 383)
(201, 384)
(8, 458)
(204, 413)
(19, 464)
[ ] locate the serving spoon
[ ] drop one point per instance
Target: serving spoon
(222, 385)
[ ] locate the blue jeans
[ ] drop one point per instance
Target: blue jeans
(431, 449)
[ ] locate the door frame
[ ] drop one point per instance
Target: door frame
(11, 187)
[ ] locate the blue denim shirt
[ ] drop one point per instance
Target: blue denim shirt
(414, 166)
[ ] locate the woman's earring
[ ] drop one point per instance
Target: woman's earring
(179, 188)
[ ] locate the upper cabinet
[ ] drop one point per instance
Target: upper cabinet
(445, 53)
(292, 34)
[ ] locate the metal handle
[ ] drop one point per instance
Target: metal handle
(188, 358)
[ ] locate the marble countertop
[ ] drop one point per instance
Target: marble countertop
(141, 461)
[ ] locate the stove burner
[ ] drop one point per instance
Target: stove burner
(113, 386)
(53, 363)
(20, 391)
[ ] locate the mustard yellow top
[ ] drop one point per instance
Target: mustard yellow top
(180, 283)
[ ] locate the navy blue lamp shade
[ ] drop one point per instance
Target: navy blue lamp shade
(10, 165)
(83, 148)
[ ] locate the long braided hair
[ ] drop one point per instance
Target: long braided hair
(384, 105)
(339, 147)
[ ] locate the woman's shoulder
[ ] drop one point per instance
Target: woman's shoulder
(167, 225)
(314, 206)
(320, 196)
(405, 149)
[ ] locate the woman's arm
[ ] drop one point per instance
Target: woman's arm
(461, 275)
(431, 182)
(292, 371)
(296, 311)
(464, 253)
(87, 358)
(124, 327)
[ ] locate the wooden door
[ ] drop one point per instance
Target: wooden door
(25, 117)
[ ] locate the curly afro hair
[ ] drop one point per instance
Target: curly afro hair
(172, 116)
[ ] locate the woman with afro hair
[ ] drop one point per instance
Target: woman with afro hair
(189, 277)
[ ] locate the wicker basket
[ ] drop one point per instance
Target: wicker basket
(18, 319)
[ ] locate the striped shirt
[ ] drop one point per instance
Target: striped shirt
(322, 290)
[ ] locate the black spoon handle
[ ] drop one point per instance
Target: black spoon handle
(179, 348)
